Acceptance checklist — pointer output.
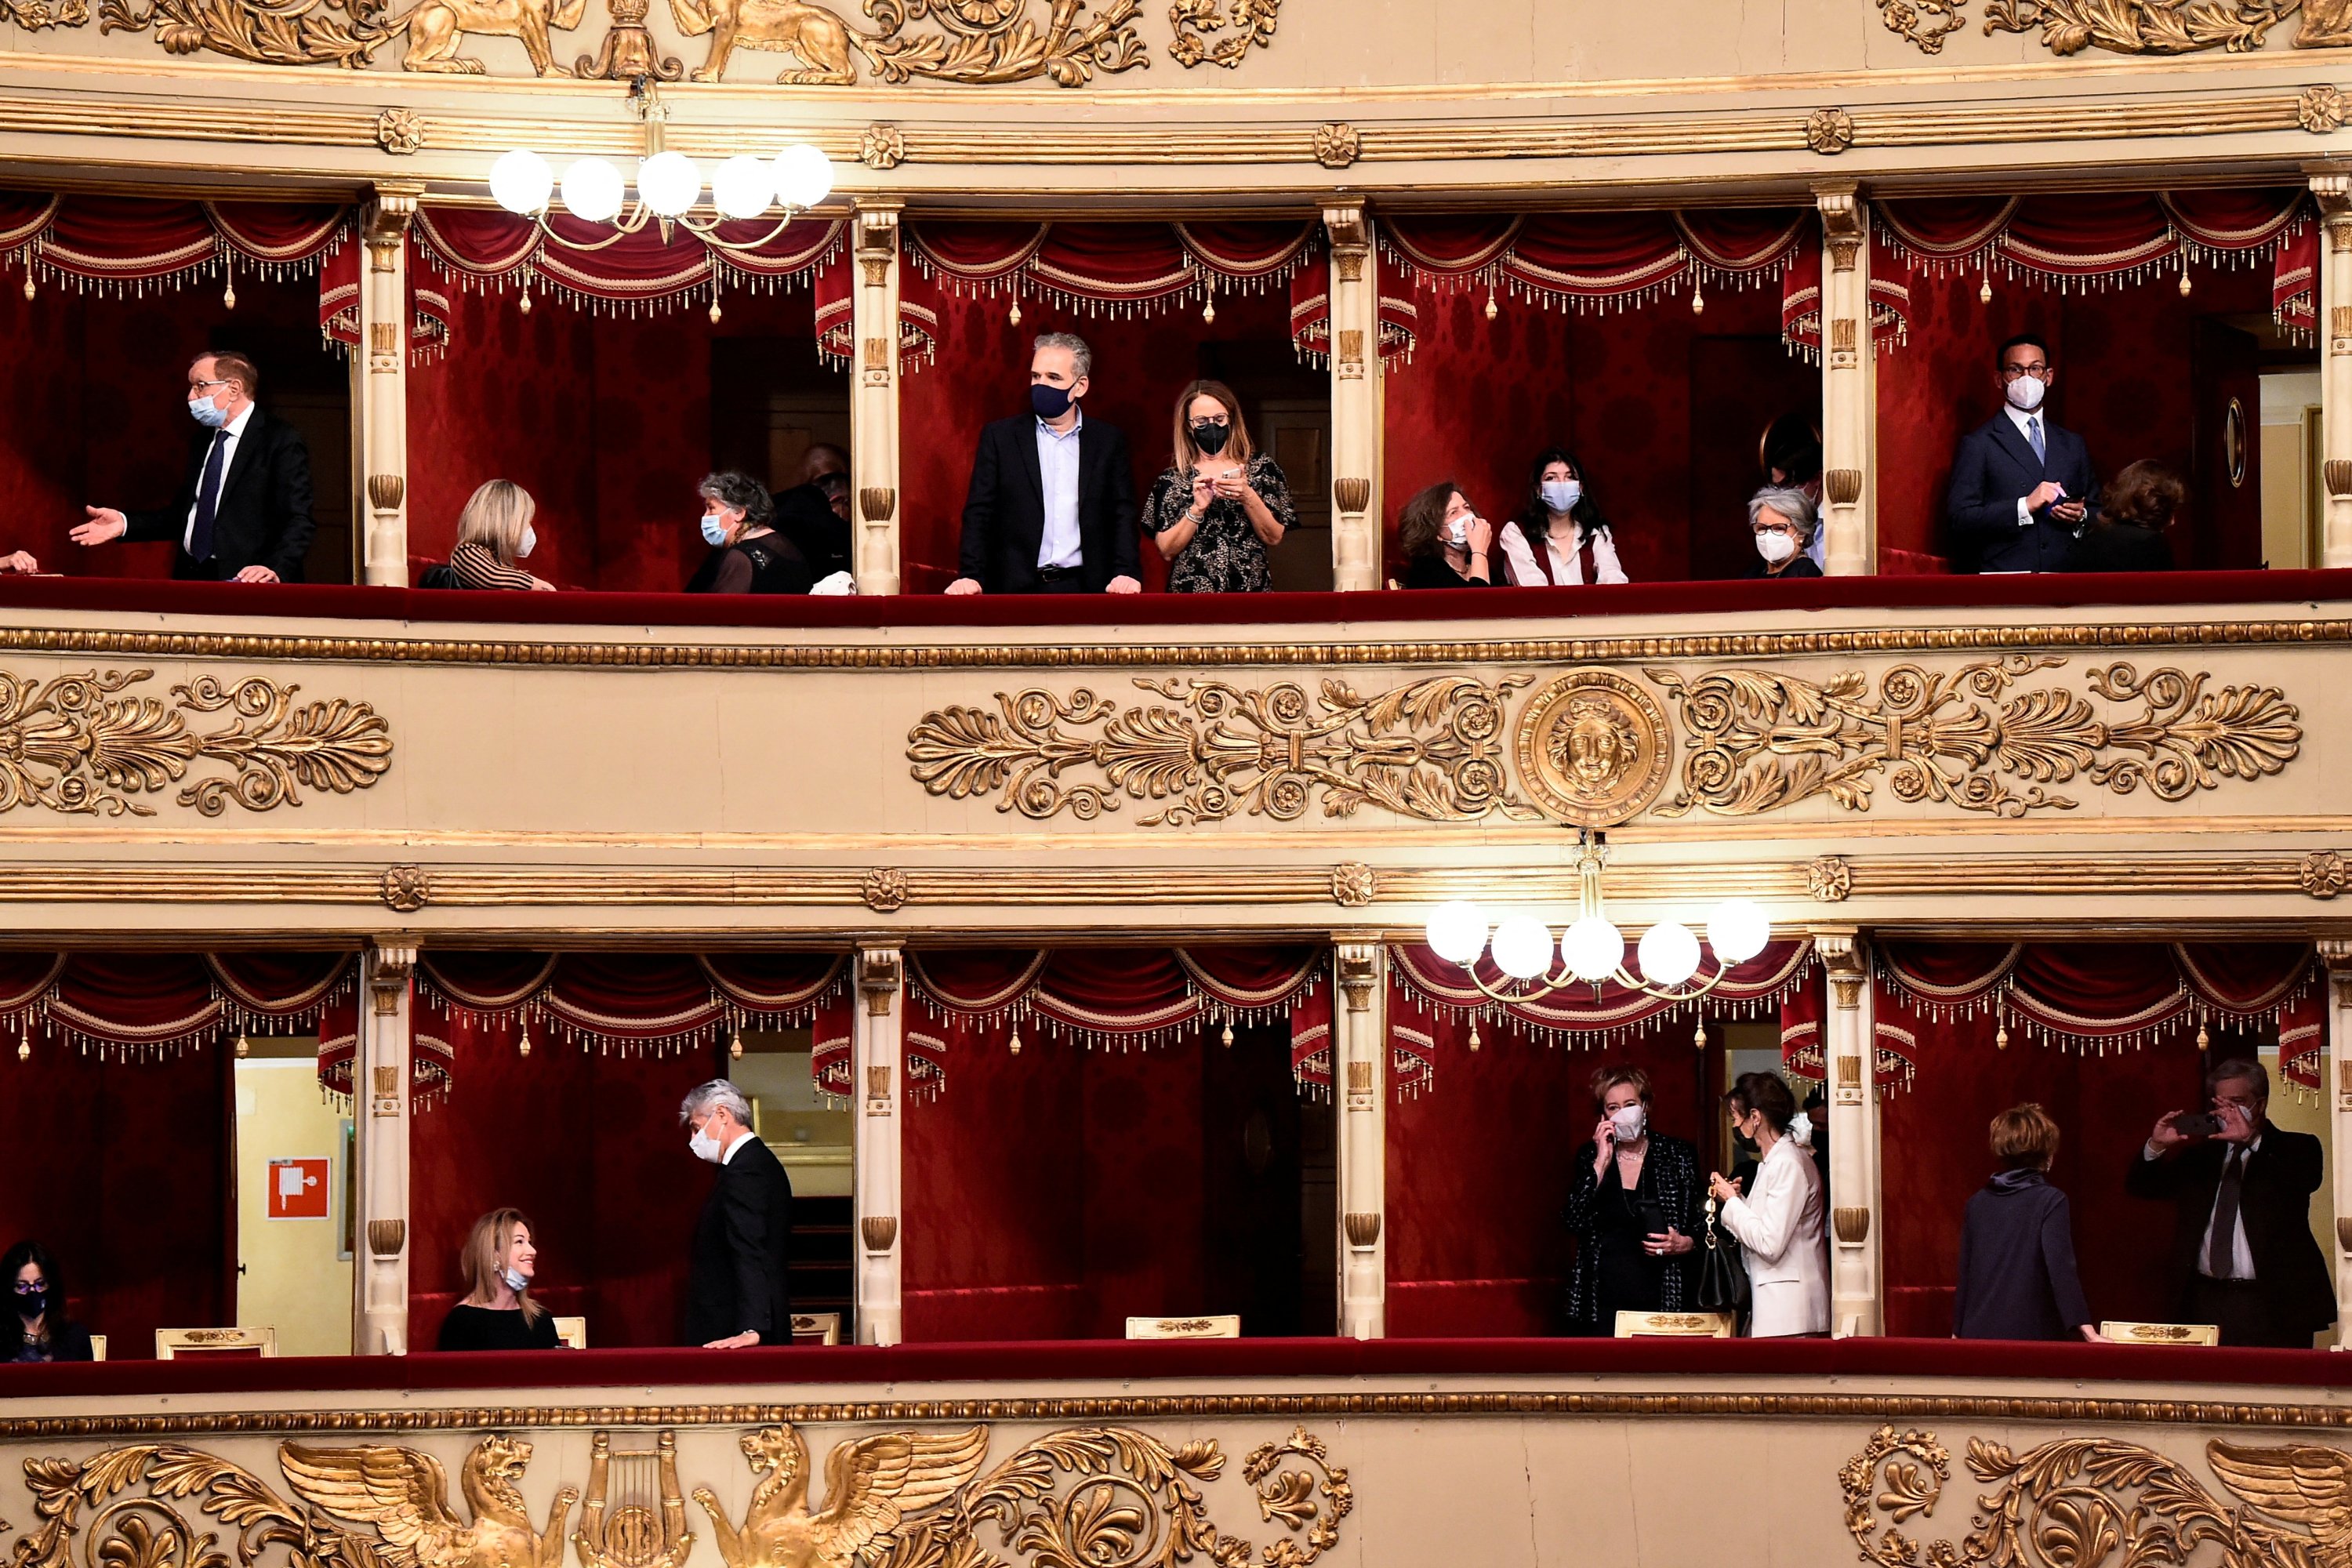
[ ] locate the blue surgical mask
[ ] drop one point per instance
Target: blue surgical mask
(1050, 402)
(714, 529)
(515, 1277)
(1561, 495)
(207, 413)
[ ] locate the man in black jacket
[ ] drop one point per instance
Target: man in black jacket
(243, 513)
(737, 1292)
(2243, 1253)
(2022, 488)
(1052, 504)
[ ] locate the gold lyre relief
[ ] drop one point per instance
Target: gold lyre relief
(634, 1515)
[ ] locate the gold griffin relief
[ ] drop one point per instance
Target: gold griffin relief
(2089, 1503)
(1432, 750)
(76, 743)
(1084, 1497)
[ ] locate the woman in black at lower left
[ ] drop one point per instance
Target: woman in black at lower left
(497, 1312)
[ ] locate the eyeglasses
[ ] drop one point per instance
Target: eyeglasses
(200, 385)
(2012, 371)
(1220, 421)
(31, 1287)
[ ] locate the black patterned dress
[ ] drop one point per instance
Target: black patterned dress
(1225, 556)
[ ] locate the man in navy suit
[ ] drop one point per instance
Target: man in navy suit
(2022, 488)
(1052, 504)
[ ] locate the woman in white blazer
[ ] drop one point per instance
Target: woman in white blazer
(1779, 1225)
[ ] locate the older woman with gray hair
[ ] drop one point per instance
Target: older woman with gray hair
(750, 556)
(738, 1289)
(1783, 520)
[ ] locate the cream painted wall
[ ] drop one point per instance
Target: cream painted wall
(809, 1136)
(292, 1280)
(2307, 1112)
(2286, 468)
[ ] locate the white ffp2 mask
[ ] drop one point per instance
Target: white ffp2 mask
(2025, 394)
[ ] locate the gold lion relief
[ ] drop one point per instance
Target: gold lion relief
(815, 37)
(436, 27)
(1594, 748)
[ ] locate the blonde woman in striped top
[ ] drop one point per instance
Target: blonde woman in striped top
(494, 532)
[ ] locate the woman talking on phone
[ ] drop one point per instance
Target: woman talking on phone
(1633, 1211)
(1217, 512)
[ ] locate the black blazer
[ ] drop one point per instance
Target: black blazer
(263, 517)
(2120, 547)
(1004, 511)
(2273, 1201)
(1993, 469)
(741, 1243)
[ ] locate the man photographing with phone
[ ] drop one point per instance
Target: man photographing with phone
(2243, 1253)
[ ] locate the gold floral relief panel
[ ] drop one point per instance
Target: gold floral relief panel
(2007, 736)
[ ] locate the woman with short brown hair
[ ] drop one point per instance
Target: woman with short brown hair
(497, 1312)
(2127, 533)
(1632, 1210)
(1445, 543)
(2018, 1279)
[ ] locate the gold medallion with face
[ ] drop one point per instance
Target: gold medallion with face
(1593, 748)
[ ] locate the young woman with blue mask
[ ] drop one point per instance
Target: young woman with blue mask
(1558, 536)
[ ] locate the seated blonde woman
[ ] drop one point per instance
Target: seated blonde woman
(497, 1312)
(494, 532)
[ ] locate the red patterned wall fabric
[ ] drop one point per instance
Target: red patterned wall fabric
(124, 1170)
(612, 1200)
(1424, 989)
(1479, 1171)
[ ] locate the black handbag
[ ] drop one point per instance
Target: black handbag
(1722, 1272)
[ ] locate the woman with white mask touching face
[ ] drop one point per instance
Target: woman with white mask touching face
(1558, 536)
(1633, 1211)
(1445, 543)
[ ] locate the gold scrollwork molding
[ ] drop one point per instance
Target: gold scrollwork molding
(345, 33)
(1759, 741)
(34, 15)
(2092, 1500)
(1430, 749)
(1072, 1498)
(71, 743)
(1246, 25)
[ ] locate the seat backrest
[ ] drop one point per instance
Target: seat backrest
(1226, 1327)
(97, 1347)
(816, 1327)
(571, 1333)
(173, 1344)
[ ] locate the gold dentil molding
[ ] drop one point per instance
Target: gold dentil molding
(900, 656)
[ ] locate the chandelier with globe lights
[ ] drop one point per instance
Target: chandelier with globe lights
(1591, 949)
(669, 184)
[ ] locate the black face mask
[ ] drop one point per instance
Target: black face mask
(32, 1305)
(1212, 438)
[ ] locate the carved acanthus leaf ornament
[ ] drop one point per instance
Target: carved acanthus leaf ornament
(2128, 26)
(1759, 740)
(1079, 1497)
(1431, 750)
(71, 743)
(1000, 40)
(2099, 1501)
(345, 33)
(1245, 22)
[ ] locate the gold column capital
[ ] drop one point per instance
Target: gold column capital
(1344, 220)
(2331, 187)
(1358, 964)
(880, 973)
(878, 222)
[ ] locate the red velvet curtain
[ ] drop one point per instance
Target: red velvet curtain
(2088, 237)
(1424, 989)
(1479, 1170)
(1113, 268)
(634, 1005)
(1310, 314)
(1115, 997)
(582, 1139)
(599, 266)
(1573, 260)
(129, 243)
(145, 1007)
(1801, 297)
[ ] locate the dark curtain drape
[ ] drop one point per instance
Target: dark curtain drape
(585, 1141)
